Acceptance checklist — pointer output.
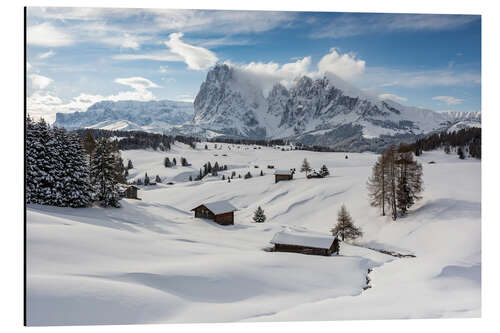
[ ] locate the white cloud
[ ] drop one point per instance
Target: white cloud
(346, 66)
(163, 69)
(45, 105)
(266, 75)
(126, 40)
(196, 57)
(39, 81)
(220, 21)
(393, 97)
(137, 83)
(46, 55)
(165, 56)
(47, 35)
(449, 100)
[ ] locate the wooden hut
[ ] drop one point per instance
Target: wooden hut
(280, 175)
(130, 192)
(221, 212)
(286, 241)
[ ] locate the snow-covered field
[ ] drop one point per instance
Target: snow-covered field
(152, 262)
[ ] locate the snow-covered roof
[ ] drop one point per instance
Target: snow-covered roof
(219, 207)
(283, 172)
(316, 241)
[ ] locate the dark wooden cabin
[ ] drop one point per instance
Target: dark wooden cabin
(285, 241)
(130, 192)
(280, 175)
(221, 212)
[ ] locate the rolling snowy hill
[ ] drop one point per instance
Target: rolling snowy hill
(152, 262)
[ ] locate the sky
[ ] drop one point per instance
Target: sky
(79, 56)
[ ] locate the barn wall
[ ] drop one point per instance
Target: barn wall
(301, 249)
(225, 219)
(278, 178)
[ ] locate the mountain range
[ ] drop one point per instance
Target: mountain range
(326, 111)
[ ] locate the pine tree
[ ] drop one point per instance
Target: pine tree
(259, 216)
(174, 161)
(324, 171)
(89, 144)
(103, 174)
(77, 189)
(248, 175)
(345, 226)
(410, 183)
(146, 179)
(157, 179)
(306, 167)
(190, 178)
(261, 173)
(130, 165)
(223, 177)
(167, 163)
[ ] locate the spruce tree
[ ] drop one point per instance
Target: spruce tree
(103, 175)
(345, 226)
(157, 179)
(174, 161)
(77, 189)
(130, 165)
(410, 183)
(259, 216)
(89, 144)
(167, 163)
(261, 173)
(324, 171)
(146, 179)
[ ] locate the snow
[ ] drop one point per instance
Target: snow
(283, 172)
(219, 207)
(316, 241)
(151, 261)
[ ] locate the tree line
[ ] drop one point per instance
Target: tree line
(466, 140)
(62, 170)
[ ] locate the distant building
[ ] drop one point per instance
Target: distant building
(130, 192)
(221, 212)
(285, 241)
(280, 175)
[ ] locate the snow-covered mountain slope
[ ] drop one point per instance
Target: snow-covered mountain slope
(153, 116)
(463, 120)
(152, 262)
(326, 110)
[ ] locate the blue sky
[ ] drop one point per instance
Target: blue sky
(78, 56)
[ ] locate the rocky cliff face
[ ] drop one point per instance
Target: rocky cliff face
(229, 105)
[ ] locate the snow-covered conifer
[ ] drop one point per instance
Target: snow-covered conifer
(259, 216)
(103, 175)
